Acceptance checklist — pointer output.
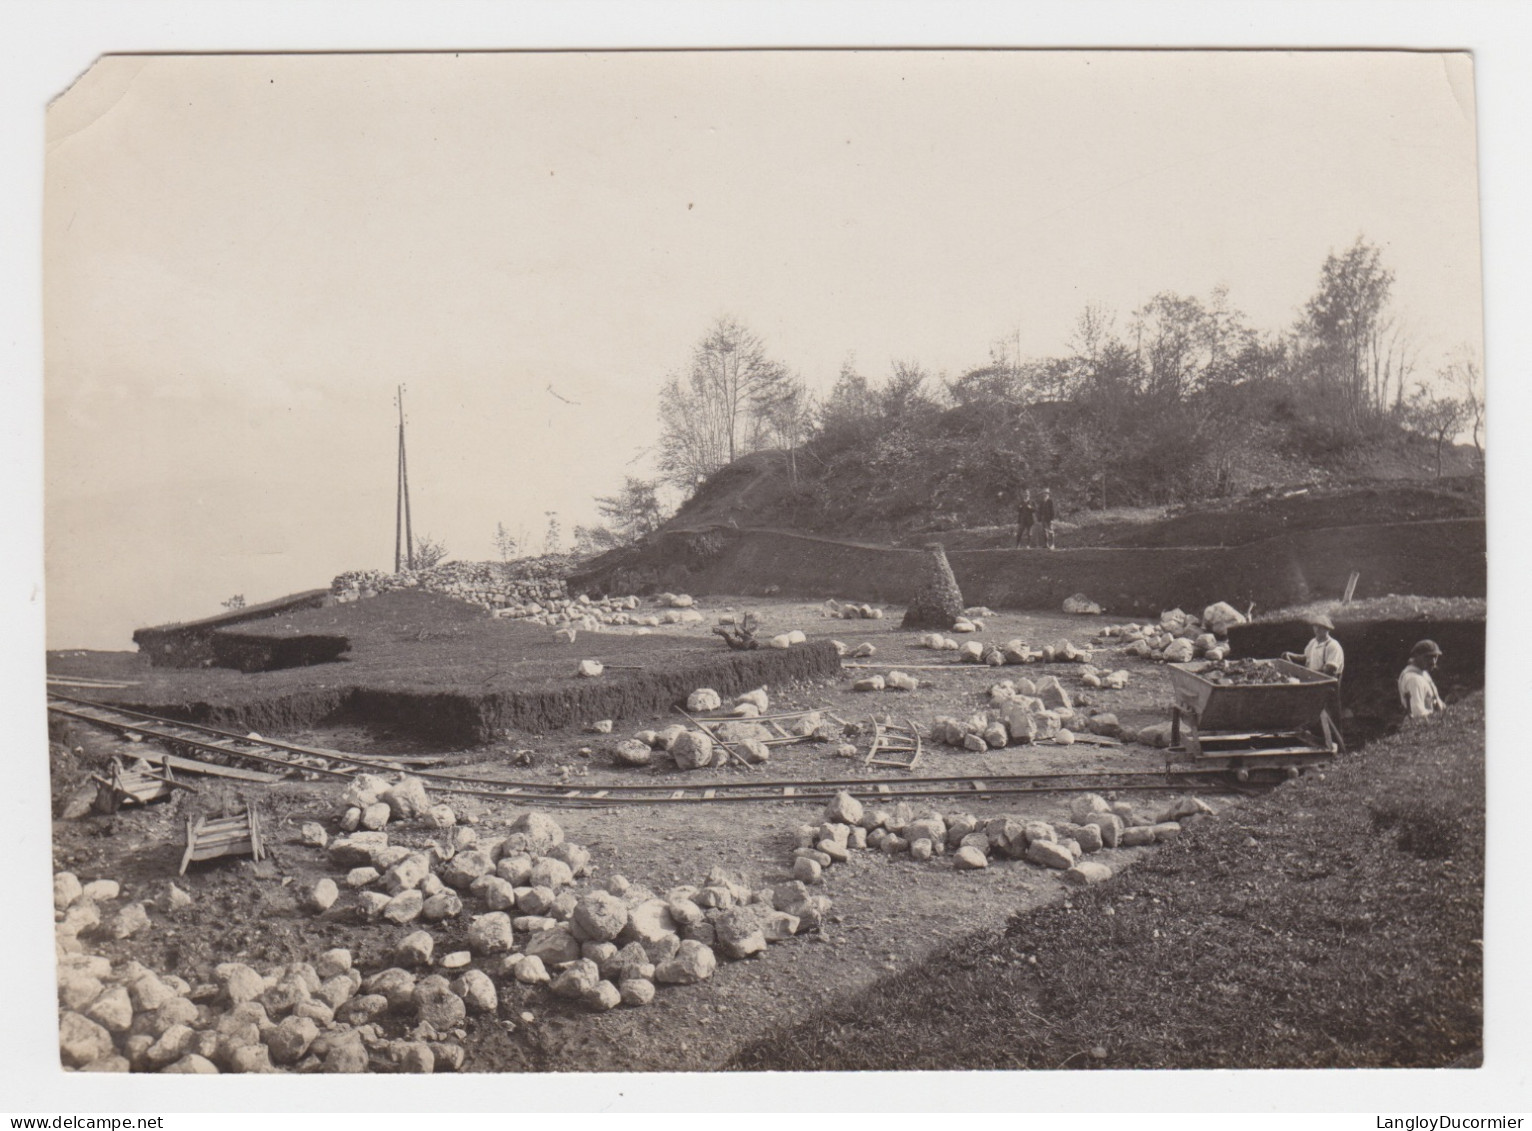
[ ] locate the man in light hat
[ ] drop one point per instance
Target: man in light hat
(1323, 653)
(1417, 690)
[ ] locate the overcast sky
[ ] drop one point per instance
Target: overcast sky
(244, 255)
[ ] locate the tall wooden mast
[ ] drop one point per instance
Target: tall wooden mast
(404, 534)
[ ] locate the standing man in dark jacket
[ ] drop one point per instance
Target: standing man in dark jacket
(1045, 516)
(1025, 517)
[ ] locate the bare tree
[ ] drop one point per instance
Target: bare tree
(708, 417)
(1436, 418)
(553, 536)
(505, 542)
(1344, 323)
(633, 513)
(786, 407)
(1463, 374)
(429, 551)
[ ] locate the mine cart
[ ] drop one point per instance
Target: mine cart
(1254, 726)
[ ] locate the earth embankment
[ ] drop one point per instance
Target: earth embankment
(1434, 558)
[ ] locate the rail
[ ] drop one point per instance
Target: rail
(303, 759)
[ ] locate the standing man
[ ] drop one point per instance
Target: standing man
(1045, 516)
(1025, 516)
(1322, 654)
(1417, 690)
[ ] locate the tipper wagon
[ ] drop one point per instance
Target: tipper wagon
(1284, 725)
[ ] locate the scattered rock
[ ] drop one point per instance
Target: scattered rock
(1109, 826)
(101, 891)
(602, 997)
(843, 809)
(491, 933)
(1184, 807)
(970, 857)
(578, 980)
(1053, 694)
(589, 669)
(600, 916)
(550, 872)
(404, 907)
(415, 949)
(437, 1005)
(739, 933)
(702, 700)
(1087, 872)
(633, 752)
(554, 946)
(530, 971)
(636, 991)
(321, 896)
(442, 905)
(1049, 854)
(129, 921)
(477, 991)
(693, 962)
(692, 750)
(290, 1039)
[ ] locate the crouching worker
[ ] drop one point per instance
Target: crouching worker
(1417, 690)
(1323, 654)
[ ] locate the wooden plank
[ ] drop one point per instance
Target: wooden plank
(191, 842)
(208, 832)
(219, 824)
(192, 766)
(678, 794)
(979, 787)
(789, 791)
(709, 794)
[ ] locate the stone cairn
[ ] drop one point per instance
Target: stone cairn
(531, 927)
(938, 603)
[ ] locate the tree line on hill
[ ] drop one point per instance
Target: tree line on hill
(1163, 407)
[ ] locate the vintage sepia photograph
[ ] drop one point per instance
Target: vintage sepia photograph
(734, 561)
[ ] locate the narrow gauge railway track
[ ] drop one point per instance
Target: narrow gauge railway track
(271, 754)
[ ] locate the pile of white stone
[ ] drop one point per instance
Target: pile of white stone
(125, 1017)
(1179, 637)
(692, 748)
(892, 681)
(839, 611)
(531, 589)
(530, 924)
(371, 802)
(1021, 711)
(602, 946)
(1094, 823)
(1011, 652)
